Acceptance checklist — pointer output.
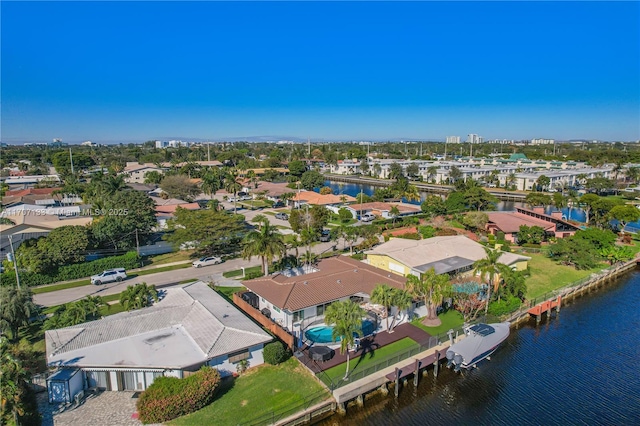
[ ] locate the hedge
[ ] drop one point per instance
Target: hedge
(169, 397)
(129, 260)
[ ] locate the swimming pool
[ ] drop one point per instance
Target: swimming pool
(323, 334)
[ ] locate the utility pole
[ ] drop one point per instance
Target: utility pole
(137, 243)
(309, 146)
(208, 151)
(71, 158)
(15, 260)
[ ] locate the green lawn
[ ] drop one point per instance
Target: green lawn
(161, 269)
(228, 291)
(363, 361)
(238, 272)
(450, 320)
(56, 287)
(254, 204)
(258, 392)
(175, 256)
(547, 275)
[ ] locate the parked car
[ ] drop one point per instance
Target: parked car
(325, 235)
(206, 261)
(282, 216)
(367, 217)
(110, 275)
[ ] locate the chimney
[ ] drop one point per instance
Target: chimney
(538, 209)
(557, 215)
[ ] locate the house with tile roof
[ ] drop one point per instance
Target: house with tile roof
(189, 327)
(510, 222)
(297, 298)
(383, 209)
(451, 255)
(315, 199)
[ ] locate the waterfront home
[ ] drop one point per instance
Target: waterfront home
(272, 190)
(451, 255)
(167, 212)
(297, 298)
(383, 209)
(189, 327)
(509, 223)
(315, 199)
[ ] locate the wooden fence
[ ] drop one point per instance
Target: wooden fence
(267, 323)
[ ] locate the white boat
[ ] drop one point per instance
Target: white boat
(480, 342)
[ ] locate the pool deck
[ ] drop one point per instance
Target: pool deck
(366, 345)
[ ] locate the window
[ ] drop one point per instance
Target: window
(239, 356)
(319, 310)
(298, 316)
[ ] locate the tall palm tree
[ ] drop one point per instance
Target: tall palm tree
(267, 243)
(75, 314)
(211, 182)
(394, 212)
(431, 288)
(383, 295)
(346, 317)
(488, 267)
(233, 186)
(93, 304)
(432, 171)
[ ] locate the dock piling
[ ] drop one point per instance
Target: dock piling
(416, 374)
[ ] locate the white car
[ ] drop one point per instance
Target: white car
(108, 276)
(367, 217)
(206, 261)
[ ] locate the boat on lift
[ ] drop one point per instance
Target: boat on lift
(480, 342)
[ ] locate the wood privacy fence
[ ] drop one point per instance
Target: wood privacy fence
(267, 323)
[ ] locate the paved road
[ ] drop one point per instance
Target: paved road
(160, 279)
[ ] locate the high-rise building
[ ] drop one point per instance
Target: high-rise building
(474, 138)
(541, 141)
(453, 139)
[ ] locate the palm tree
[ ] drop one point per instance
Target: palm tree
(260, 219)
(383, 295)
(510, 181)
(346, 317)
(394, 212)
(402, 300)
(267, 243)
(432, 171)
(92, 305)
(14, 383)
(138, 296)
(431, 288)
(633, 173)
(488, 266)
(211, 182)
(75, 314)
(232, 186)
(15, 310)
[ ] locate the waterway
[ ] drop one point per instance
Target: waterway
(354, 189)
(580, 368)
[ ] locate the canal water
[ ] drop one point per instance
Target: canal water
(580, 368)
(354, 189)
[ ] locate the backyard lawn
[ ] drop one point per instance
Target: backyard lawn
(547, 275)
(256, 393)
(238, 272)
(175, 256)
(361, 362)
(450, 320)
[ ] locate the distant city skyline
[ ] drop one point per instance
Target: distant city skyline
(134, 71)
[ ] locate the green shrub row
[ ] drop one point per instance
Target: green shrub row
(169, 397)
(129, 260)
(506, 305)
(410, 236)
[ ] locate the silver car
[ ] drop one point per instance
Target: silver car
(206, 261)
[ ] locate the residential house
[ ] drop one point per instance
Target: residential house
(451, 255)
(189, 327)
(299, 297)
(27, 226)
(383, 209)
(135, 172)
(315, 199)
(510, 222)
(167, 212)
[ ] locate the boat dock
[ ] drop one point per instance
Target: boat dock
(396, 373)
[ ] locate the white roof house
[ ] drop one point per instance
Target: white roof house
(190, 326)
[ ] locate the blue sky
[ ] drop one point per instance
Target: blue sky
(134, 71)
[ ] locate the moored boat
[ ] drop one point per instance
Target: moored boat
(480, 342)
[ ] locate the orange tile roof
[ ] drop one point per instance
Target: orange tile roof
(171, 208)
(315, 198)
(336, 278)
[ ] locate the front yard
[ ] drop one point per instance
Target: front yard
(258, 392)
(547, 275)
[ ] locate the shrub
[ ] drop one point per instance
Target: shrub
(506, 305)
(427, 231)
(274, 353)
(169, 397)
(500, 236)
(253, 274)
(531, 245)
(446, 232)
